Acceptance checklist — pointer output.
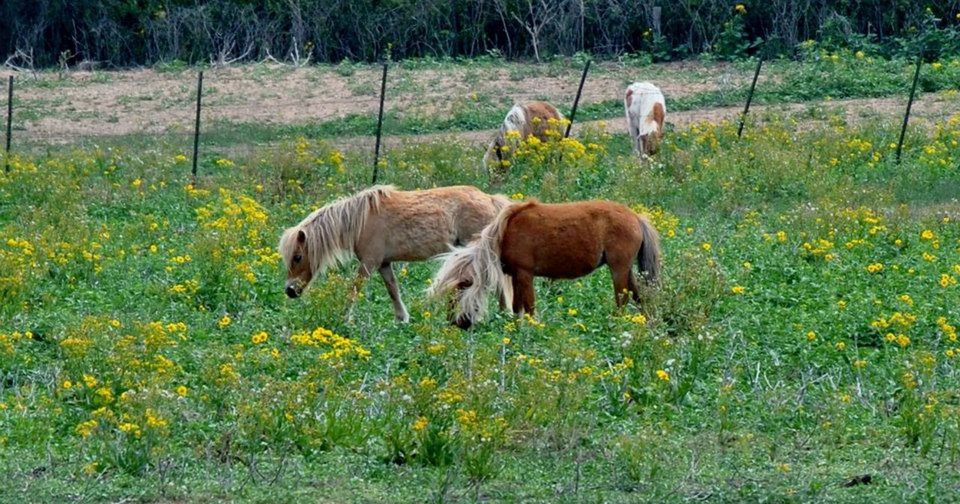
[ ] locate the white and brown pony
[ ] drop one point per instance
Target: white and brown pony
(646, 110)
(533, 239)
(533, 118)
(381, 225)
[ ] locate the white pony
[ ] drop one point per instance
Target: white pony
(646, 110)
(533, 118)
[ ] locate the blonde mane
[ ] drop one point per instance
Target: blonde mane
(479, 264)
(333, 230)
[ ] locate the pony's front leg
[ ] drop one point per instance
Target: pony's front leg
(390, 281)
(635, 138)
(506, 293)
(523, 294)
(362, 274)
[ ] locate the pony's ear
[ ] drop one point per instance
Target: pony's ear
(301, 237)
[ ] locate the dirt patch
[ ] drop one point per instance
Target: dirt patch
(103, 104)
(84, 104)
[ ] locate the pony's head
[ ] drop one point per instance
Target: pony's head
(465, 281)
(295, 252)
(494, 153)
(327, 236)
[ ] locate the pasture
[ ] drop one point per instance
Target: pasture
(802, 346)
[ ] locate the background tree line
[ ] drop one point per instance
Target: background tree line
(142, 32)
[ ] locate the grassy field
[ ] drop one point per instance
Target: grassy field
(803, 346)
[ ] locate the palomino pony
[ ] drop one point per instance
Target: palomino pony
(566, 240)
(528, 119)
(646, 110)
(381, 225)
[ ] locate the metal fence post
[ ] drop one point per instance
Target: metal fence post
(376, 151)
(196, 128)
(906, 117)
(6, 159)
(753, 86)
(576, 101)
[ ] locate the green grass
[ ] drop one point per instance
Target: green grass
(777, 380)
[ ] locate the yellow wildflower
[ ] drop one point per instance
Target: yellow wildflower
(420, 424)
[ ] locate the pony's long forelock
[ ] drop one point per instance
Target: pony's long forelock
(478, 263)
(516, 120)
(332, 231)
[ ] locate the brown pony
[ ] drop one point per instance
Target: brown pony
(531, 239)
(381, 225)
(532, 118)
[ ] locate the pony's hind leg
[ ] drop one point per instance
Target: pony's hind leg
(634, 287)
(621, 284)
(390, 281)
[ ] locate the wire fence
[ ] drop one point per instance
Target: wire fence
(245, 108)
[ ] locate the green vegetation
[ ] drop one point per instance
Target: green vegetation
(53, 33)
(805, 334)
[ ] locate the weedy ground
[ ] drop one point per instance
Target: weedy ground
(259, 103)
(803, 345)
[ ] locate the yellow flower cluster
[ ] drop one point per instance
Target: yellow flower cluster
(663, 221)
(900, 319)
(338, 346)
(947, 280)
(259, 338)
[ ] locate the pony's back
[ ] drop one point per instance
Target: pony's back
(645, 107)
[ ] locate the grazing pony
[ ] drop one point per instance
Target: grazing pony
(528, 119)
(531, 239)
(381, 225)
(646, 110)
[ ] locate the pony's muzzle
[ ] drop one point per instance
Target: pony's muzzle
(293, 291)
(462, 322)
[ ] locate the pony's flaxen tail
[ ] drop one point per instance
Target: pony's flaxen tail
(649, 256)
(475, 269)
